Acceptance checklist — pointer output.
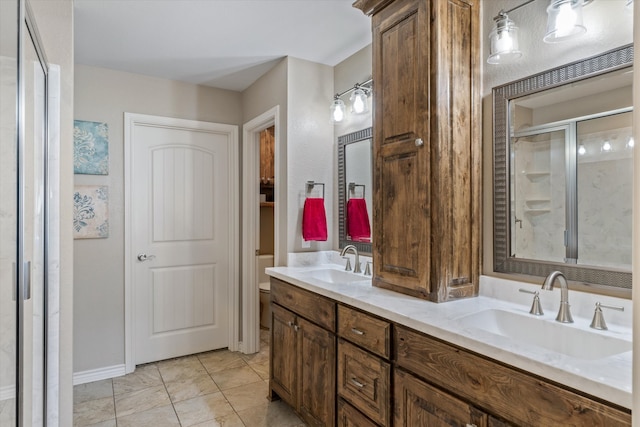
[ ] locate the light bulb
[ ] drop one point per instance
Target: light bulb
(337, 110)
(581, 150)
(358, 101)
(606, 146)
(564, 21)
(630, 142)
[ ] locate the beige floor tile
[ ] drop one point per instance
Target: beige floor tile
(235, 377)
(265, 335)
(92, 391)
(108, 423)
(272, 414)
(141, 400)
(247, 396)
(220, 360)
(93, 411)
(262, 369)
(162, 416)
(256, 358)
(203, 408)
(231, 420)
(181, 368)
(191, 387)
(144, 376)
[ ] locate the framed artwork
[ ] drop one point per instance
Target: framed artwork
(90, 148)
(90, 212)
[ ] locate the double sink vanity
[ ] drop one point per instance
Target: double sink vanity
(349, 354)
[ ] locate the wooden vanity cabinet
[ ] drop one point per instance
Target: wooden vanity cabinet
(303, 353)
(364, 368)
(514, 396)
(426, 143)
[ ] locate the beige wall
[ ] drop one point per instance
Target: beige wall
(105, 95)
(310, 149)
(54, 19)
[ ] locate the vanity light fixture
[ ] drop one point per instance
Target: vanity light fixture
(503, 40)
(564, 20)
(358, 99)
(629, 5)
(606, 145)
(337, 110)
(582, 150)
(630, 142)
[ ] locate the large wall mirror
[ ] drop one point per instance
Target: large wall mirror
(563, 158)
(354, 189)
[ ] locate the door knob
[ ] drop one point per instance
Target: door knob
(145, 257)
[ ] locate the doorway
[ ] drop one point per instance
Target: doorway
(180, 256)
(262, 203)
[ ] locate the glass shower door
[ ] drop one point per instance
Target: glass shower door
(8, 209)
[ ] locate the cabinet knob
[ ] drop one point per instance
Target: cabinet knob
(419, 142)
(356, 383)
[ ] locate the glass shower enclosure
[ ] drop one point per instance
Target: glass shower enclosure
(23, 218)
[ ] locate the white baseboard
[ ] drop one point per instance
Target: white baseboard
(98, 374)
(7, 392)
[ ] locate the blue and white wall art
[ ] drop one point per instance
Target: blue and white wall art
(90, 212)
(90, 148)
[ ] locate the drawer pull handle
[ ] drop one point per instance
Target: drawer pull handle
(471, 425)
(294, 326)
(356, 383)
(357, 331)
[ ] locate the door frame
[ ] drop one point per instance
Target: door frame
(131, 120)
(251, 220)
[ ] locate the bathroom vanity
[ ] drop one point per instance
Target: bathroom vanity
(349, 354)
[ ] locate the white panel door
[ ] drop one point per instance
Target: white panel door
(180, 198)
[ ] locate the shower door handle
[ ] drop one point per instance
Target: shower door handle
(26, 289)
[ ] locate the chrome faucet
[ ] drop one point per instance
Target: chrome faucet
(564, 314)
(356, 267)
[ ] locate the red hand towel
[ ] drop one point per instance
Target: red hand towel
(358, 226)
(314, 220)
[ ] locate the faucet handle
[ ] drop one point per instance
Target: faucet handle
(367, 269)
(598, 316)
(348, 266)
(536, 307)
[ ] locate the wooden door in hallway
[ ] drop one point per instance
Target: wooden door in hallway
(182, 198)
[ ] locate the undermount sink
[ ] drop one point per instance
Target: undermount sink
(329, 275)
(546, 333)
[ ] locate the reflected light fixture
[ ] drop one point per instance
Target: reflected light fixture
(582, 150)
(606, 145)
(629, 5)
(564, 20)
(630, 142)
(503, 40)
(358, 100)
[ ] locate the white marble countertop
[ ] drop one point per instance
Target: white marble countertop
(608, 378)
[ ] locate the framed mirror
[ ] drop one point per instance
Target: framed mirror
(563, 171)
(354, 189)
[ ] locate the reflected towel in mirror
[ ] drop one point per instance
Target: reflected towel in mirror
(314, 220)
(358, 226)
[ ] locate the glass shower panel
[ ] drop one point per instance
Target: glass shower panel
(538, 195)
(8, 209)
(605, 177)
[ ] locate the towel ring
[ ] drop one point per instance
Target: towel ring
(312, 184)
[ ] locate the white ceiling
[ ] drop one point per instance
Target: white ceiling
(227, 44)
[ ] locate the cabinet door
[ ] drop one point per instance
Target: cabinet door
(284, 350)
(317, 374)
(401, 174)
(419, 404)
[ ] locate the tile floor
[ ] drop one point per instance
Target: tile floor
(217, 388)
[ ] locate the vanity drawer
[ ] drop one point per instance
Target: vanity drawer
(367, 331)
(364, 381)
(348, 416)
(316, 308)
(495, 387)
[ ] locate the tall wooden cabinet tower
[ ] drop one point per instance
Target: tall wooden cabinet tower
(427, 153)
